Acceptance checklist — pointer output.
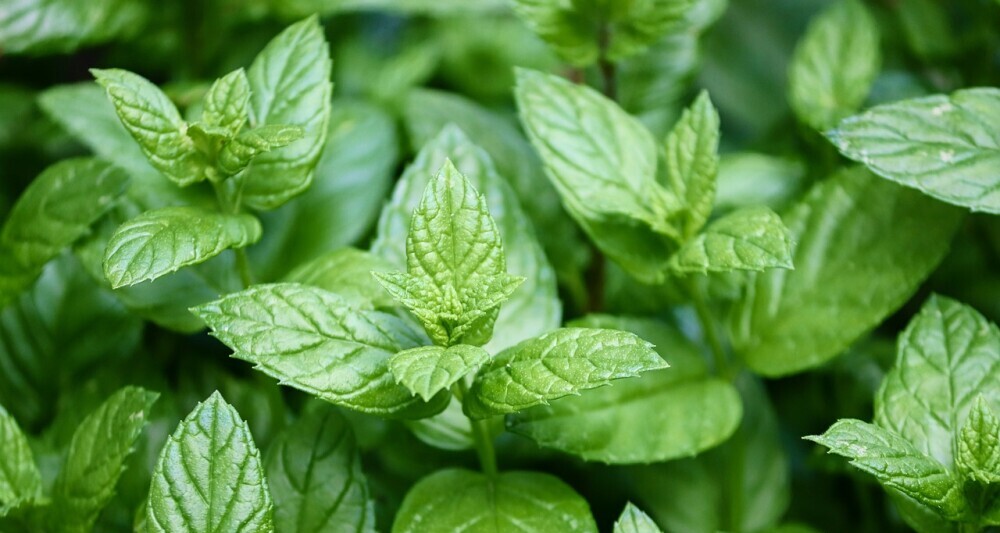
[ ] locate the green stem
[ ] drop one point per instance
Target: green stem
(243, 267)
(480, 435)
(708, 329)
(226, 205)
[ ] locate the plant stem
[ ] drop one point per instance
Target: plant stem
(708, 329)
(230, 206)
(607, 68)
(243, 267)
(480, 435)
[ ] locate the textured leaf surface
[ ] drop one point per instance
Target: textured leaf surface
(209, 477)
(633, 520)
(238, 153)
(97, 458)
(55, 26)
(227, 103)
(317, 342)
(603, 164)
(978, 455)
(945, 146)
(162, 241)
(692, 163)
(863, 246)
(20, 481)
(896, 463)
(834, 64)
(59, 207)
(289, 85)
(534, 308)
(470, 502)
(154, 122)
(456, 273)
(314, 472)
(681, 410)
(947, 357)
(428, 370)
(559, 363)
(752, 238)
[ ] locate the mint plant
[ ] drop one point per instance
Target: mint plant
(536, 265)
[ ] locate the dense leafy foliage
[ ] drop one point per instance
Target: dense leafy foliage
(499, 265)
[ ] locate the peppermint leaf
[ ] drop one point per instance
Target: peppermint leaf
(978, 455)
(633, 520)
(348, 273)
(289, 85)
(318, 342)
(162, 241)
(834, 64)
(455, 500)
(692, 162)
(20, 482)
(155, 124)
(209, 476)
(238, 153)
(428, 370)
(944, 146)
(227, 103)
(752, 238)
(557, 364)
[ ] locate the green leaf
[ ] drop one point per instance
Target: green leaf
(750, 178)
(566, 29)
(692, 162)
(59, 207)
(209, 476)
(20, 482)
(318, 342)
(162, 241)
(943, 146)
(682, 410)
(896, 463)
(752, 238)
(633, 520)
(603, 163)
(289, 85)
(97, 457)
(534, 308)
(456, 272)
(460, 500)
(947, 357)
(449, 430)
(428, 370)
(57, 26)
(154, 122)
(314, 472)
(238, 153)
(348, 273)
(834, 64)
(863, 246)
(559, 363)
(978, 455)
(227, 103)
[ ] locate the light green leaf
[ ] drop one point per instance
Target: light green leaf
(20, 481)
(947, 358)
(863, 246)
(692, 163)
(559, 363)
(227, 103)
(978, 455)
(564, 27)
(428, 370)
(682, 410)
(348, 273)
(209, 476)
(59, 26)
(945, 146)
(633, 520)
(752, 238)
(834, 64)
(461, 500)
(97, 457)
(314, 472)
(162, 241)
(238, 153)
(456, 273)
(449, 430)
(534, 308)
(750, 178)
(318, 342)
(289, 85)
(603, 163)
(59, 207)
(154, 122)
(896, 463)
